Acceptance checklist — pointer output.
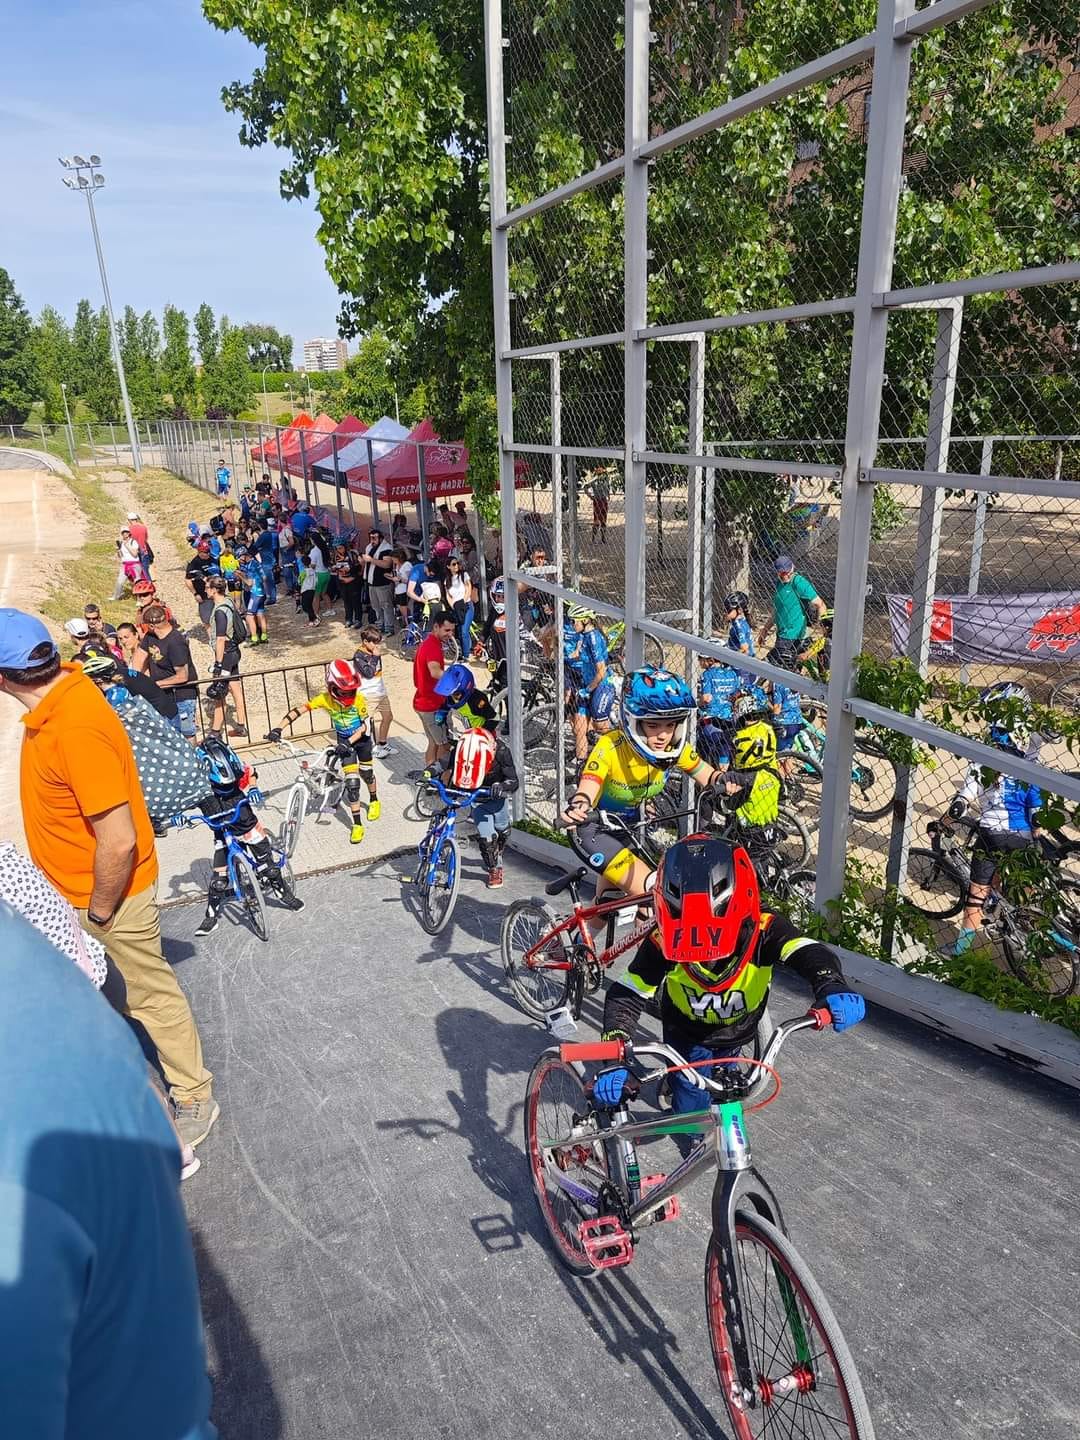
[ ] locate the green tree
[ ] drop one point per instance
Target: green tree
(140, 349)
(52, 347)
(101, 388)
(18, 366)
(226, 386)
(268, 348)
(206, 334)
(368, 385)
(177, 367)
(82, 347)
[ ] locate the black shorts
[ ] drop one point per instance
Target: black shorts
(605, 851)
(989, 845)
(361, 753)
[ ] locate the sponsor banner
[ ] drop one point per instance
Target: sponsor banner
(1043, 627)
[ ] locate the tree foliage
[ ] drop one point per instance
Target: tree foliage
(226, 381)
(268, 348)
(381, 108)
(52, 349)
(177, 366)
(18, 364)
(206, 334)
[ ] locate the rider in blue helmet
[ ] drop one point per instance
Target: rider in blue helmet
(628, 766)
(459, 690)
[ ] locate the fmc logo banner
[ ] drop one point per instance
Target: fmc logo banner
(1044, 626)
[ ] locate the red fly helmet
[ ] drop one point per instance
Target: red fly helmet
(708, 909)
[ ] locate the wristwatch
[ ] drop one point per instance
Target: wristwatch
(97, 919)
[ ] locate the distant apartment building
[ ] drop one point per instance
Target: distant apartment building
(325, 354)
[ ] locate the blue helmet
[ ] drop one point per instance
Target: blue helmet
(651, 694)
(455, 684)
(224, 767)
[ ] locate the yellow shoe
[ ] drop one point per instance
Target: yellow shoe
(374, 810)
(357, 834)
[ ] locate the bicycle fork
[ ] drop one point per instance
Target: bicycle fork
(740, 1182)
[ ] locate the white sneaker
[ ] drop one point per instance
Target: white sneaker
(383, 750)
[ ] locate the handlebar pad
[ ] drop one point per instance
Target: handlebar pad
(823, 1016)
(593, 1050)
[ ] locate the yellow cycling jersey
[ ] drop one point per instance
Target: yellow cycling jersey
(753, 746)
(626, 779)
(347, 720)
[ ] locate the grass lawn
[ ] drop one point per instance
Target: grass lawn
(91, 574)
(173, 502)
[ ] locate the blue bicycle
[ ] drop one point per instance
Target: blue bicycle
(438, 871)
(246, 889)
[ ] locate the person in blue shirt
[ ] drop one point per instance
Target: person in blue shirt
(100, 1328)
(265, 546)
(717, 688)
(223, 477)
(740, 634)
(251, 577)
(302, 520)
(788, 721)
(594, 695)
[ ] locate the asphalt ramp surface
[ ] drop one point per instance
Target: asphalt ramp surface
(373, 1263)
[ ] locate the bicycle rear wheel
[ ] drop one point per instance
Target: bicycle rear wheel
(873, 781)
(439, 895)
(934, 887)
(805, 1381)
(251, 897)
(538, 987)
(554, 1101)
(793, 840)
(1042, 952)
(295, 812)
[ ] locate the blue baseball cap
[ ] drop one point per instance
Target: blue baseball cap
(19, 635)
(783, 563)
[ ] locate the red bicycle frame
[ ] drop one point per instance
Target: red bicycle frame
(577, 920)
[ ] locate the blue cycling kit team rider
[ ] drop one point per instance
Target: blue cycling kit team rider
(740, 636)
(717, 688)
(1007, 810)
(591, 693)
(710, 960)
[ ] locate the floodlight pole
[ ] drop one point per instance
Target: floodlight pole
(88, 185)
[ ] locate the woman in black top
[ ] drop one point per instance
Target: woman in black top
(346, 572)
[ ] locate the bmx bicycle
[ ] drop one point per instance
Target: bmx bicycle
(438, 867)
(783, 1365)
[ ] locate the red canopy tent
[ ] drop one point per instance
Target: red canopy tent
(318, 444)
(269, 449)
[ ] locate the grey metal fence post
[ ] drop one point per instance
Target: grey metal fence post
(232, 460)
(425, 506)
(281, 461)
(572, 522)
(978, 534)
(884, 163)
(371, 473)
(708, 542)
(557, 557)
(950, 319)
(635, 316)
(500, 277)
(112, 441)
(695, 446)
(245, 449)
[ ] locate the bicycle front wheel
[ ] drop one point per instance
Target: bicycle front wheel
(555, 1101)
(427, 801)
(439, 895)
(1041, 952)
(542, 983)
(804, 1378)
(793, 839)
(247, 886)
(295, 812)
(873, 781)
(934, 888)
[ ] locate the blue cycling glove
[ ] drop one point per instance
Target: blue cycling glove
(608, 1085)
(846, 1009)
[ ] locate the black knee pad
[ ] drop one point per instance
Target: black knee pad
(367, 774)
(352, 789)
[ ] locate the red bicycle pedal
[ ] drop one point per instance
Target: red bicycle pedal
(671, 1208)
(606, 1242)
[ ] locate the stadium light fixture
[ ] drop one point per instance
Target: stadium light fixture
(88, 184)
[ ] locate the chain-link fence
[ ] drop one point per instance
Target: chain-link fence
(826, 309)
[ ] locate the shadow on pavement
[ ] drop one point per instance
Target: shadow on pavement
(245, 1406)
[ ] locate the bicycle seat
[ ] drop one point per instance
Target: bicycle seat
(572, 877)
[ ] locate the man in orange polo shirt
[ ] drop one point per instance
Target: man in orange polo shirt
(88, 830)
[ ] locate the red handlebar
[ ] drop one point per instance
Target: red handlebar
(823, 1016)
(596, 1050)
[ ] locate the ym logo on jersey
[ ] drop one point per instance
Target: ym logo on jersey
(706, 1006)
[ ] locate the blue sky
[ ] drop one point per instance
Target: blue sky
(187, 213)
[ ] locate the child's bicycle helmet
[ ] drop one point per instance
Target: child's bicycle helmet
(455, 684)
(652, 694)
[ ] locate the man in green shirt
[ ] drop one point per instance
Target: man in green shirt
(795, 601)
